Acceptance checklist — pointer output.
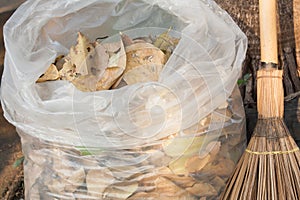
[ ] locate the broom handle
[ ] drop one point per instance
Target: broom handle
(296, 9)
(268, 32)
(270, 93)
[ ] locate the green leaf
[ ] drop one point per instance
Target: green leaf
(243, 81)
(18, 162)
(87, 151)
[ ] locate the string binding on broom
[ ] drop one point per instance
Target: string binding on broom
(258, 77)
(272, 152)
(269, 65)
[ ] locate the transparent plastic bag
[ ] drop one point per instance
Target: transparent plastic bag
(197, 79)
(193, 164)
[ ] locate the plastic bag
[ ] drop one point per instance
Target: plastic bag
(197, 79)
(192, 165)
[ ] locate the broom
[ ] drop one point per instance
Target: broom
(269, 169)
(296, 9)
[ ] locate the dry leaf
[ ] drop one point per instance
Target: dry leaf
(143, 39)
(168, 190)
(159, 158)
(179, 146)
(124, 171)
(200, 127)
(220, 167)
(141, 74)
(166, 43)
(196, 163)
(147, 183)
(144, 63)
(218, 183)
(144, 196)
(140, 54)
(68, 175)
(120, 191)
(224, 105)
(119, 83)
(201, 189)
(181, 181)
(78, 54)
(127, 41)
(97, 60)
(178, 166)
(59, 62)
(115, 66)
(68, 71)
(85, 83)
(94, 67)
(97, 180)
(50, 75)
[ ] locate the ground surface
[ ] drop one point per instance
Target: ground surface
(10, 147)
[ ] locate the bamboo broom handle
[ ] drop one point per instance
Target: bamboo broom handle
(268, 32)
(270, 94)
(296, 9)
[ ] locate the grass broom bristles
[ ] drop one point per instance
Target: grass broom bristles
(269, 169)
(270, 94)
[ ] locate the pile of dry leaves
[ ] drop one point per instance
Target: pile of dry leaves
(102, 66)
(194, 163)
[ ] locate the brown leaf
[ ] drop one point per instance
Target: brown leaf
(108, 79)
(120, 191)
(196, 163)
(79, 53)
(127, 41)
(144, 195)
(166, 43)
(220, 167)
(85, 83)
(141, 74)
(119, 83)
(97, 180)
(115, 66)
(50, 75)
(97, 60)
(182, 181)
(59, 62)
(218, 183)
(201, 189)
(68, 71)
(140, 54)
(167, 187)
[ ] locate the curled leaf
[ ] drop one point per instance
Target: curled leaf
(50, 75)
(127, 41)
